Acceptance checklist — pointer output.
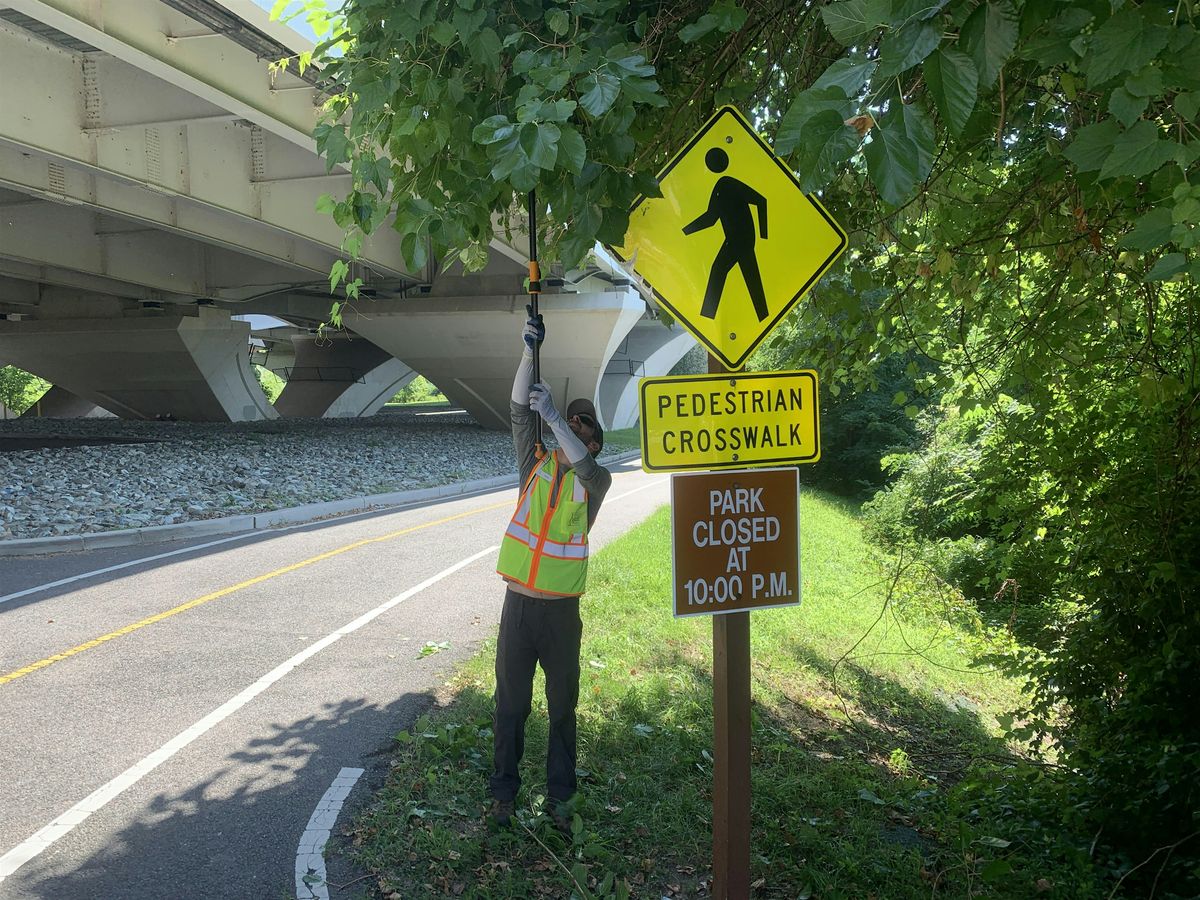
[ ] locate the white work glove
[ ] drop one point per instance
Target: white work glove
(542, 403)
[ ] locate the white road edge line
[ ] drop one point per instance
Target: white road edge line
(44, 837)
(226, 540)
(310, 853)
(645, 487)
(133, 562)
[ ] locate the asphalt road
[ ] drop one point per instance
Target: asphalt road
(176, 722)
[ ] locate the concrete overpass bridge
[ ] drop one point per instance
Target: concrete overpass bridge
(156, 180)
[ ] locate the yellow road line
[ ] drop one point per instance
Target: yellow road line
(215, 595)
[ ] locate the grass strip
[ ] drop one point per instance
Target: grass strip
(869, 715)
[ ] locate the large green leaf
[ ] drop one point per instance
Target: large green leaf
(919, 128)
(506, 156)
(1151, 231)
(1138, 151)
(598, 91)
(806, 105)
(849, 73)
(1188, 105)
(1146, 83)
(492, 130)
(572, 152)
(892, 161)
(558, 20)
(1051, 44)
(1125, 43)
(540, 143)
(724, 17)
(1170, 265)
(990, 35)
(902, 49)
(332, 143)
(1092, 145)
(826, 142)
(1126, 107)
(850, 20)
(484, 46)
(953, 82)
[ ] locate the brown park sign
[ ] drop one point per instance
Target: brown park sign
(735, 541)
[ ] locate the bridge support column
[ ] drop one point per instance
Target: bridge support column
(469, 346)
(651, 349)
(339, 376)
(189, 366)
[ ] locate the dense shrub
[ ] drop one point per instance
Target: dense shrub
(1074, 519)
(19, 389)
(272, 385)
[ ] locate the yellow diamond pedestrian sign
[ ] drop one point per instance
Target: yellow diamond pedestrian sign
(734, 242)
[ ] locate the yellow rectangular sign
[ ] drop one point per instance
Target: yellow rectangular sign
(729, 421)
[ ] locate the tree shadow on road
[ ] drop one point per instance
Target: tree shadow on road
(232, 832)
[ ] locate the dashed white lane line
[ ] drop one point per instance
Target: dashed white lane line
(44, 837)
(310, 853)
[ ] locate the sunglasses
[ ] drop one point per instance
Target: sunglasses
(585, 419)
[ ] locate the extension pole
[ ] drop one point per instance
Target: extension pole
(535, 288)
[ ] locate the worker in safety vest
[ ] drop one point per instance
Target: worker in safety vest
(543, 560)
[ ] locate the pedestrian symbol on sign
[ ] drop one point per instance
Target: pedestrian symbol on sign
(728, 176)
(730, 205)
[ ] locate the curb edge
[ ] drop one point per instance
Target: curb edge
(250, 522)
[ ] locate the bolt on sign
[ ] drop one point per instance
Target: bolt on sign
(735, 541)
(729, 203)
(729, 421)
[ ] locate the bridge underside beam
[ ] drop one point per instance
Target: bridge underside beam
(128, 132)
(86, 247)
(470, 346)
(59, 403)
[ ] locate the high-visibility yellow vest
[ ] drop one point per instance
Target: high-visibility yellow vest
(545, 546)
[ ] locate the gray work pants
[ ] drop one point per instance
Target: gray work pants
(536, 631)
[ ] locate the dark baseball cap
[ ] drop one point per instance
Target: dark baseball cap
(584, 407)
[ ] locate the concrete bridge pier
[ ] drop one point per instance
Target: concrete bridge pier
(650, 349)
(339, 375)
(469, 346)
(186, 363)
